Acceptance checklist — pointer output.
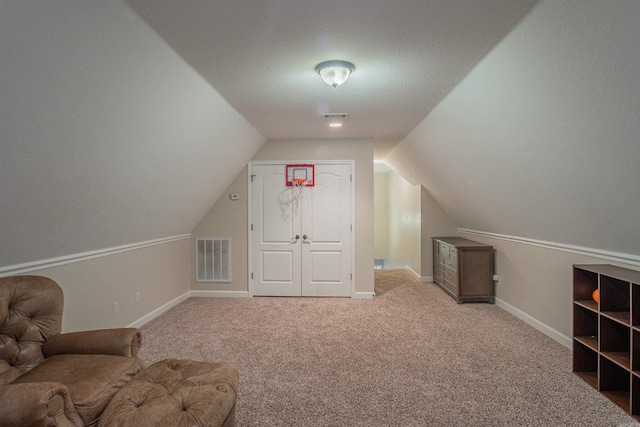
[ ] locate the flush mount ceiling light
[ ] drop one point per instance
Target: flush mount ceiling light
(334, 73)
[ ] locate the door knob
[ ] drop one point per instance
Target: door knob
(298, 237)
(304, 237)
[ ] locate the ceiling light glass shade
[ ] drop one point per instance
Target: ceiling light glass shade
(334, 73)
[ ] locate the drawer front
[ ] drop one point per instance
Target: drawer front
(452, 251)
(451, 275)
(450, 263)
(451, 287)
(438, 267)
(444, 250)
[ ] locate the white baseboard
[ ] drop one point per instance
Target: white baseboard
(412, 271)
(211, 294)
(424, 279)
(364, 295)
(220, 294)
(158, 311)
(550, 332)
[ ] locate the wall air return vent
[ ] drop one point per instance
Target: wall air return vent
(213, 259)
(334, 116)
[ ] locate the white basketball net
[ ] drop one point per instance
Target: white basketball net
(297, 187)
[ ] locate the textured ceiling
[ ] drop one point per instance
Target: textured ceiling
(125, 121)
(260, 56)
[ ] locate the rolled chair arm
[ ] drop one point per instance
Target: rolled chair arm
(118, 342)
(37, 404)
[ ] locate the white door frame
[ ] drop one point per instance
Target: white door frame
(352, 163)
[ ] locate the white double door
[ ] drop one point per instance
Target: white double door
(303, 246)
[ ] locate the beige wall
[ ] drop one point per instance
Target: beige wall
(435, 223)
(361, 151)
(380, 215)
(540, 141)
(159, 272)
(404, 229)
(227, 218)
(408, 243)
(230, 218)
(536, 282)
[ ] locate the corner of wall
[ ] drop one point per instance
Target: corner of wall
(226, 218)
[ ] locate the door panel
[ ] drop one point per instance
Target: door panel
(322, 217)
(277, 266)
(276, 252)
(325, 266)
(326, 252)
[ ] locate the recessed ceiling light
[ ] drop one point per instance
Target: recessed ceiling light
(335, 125)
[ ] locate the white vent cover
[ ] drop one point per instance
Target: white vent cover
(213, 259)
(331, 116)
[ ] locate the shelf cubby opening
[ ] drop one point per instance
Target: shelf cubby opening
(614, 296)
(635, 396)
(615, 342)
(635, 359)
(584, 283)
(615, 383)
(585, 326)
(585, 363)
(635, 302)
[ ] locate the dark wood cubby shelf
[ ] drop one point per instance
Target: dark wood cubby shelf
(606, 334)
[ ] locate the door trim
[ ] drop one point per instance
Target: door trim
(352, 163)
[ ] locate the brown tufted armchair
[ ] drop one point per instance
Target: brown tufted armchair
(53, 379)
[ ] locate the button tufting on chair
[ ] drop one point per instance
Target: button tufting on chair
(51, 378)
(207, 398)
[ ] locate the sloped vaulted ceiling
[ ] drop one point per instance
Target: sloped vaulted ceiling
(542, 139)
(124, 121)
(108, 137)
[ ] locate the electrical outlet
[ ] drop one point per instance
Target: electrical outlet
(138, 297)
(115, 307)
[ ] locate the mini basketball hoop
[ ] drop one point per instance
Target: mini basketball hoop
(297, 186)
(298, 177)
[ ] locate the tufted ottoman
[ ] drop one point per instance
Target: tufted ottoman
(176, 393)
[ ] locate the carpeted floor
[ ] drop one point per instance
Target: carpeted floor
(386, 280)
(411, 357)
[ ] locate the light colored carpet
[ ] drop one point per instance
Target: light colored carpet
(411, 357)
(387, 280)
